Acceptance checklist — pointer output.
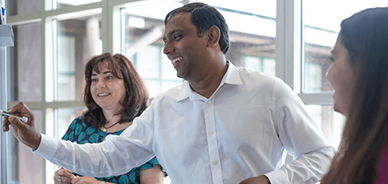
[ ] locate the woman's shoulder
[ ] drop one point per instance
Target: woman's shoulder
(77, 120)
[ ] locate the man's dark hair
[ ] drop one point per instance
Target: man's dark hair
(203, 17)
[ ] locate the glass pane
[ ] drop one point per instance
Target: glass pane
(25, 64)
(265, 65)
(168, 72)
(56, 126)
(330, 122)
(253, 39)
(77, 40)
(144, 46)
(148, 64)
(17, 7)
(153, 87)
(28, 167)
(64, 3)
(65, 117)
(320, 32)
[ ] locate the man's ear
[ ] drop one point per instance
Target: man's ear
(214, 36)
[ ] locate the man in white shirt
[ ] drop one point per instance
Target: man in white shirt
(222, 125)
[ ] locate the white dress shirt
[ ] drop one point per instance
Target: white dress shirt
(241, 131)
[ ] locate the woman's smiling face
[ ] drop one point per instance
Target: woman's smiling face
(341, 78)
(107, 90)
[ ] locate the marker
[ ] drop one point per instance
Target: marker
(2, 16)
(23, 119)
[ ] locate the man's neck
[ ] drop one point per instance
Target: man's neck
(208, 85)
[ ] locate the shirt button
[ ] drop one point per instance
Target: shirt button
(215, 163)
(211, 132)
(209, 103)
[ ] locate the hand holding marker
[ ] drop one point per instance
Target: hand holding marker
(23, 119)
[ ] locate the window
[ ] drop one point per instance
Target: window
(77, 40)
(320, 33)
(331, 123)
(63, 118)
(23, 64)
(265, 65)
(155, 69)
(321, 28)
(252, 31)
(143, 45)
(19, 7)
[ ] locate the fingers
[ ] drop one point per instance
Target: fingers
(17, 126)
(61, 180)
(84, 180)
(6, 125)
(16, 122)
(64, 172)
(67, 173)
(17, 108)
(63, 176)
(22, 110)
(76, 179)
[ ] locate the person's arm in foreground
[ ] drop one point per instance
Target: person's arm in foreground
(301, 138)
(111, 157)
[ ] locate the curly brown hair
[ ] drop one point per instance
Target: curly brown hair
(136, 98)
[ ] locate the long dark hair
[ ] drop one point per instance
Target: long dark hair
(365, 136)
(203, 17)
(136, 95)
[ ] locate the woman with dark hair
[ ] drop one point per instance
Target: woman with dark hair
(359, 75)
(114, 95)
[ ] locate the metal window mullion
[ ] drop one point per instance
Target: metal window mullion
(288, 42)
(3, 105)
(279, 39)
(105, 17)
(122, 31)
(159, 78)
(55, 58)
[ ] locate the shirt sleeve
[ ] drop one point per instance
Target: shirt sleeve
(115, 156)
(301, 138)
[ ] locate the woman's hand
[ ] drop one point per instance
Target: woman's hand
(24, 132)
(85, 180)
(63, 176)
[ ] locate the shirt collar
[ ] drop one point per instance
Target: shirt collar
(231, 77)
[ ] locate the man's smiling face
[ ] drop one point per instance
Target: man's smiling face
(183, 46)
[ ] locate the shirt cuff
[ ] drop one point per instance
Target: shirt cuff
(47, 147)
(278, 176)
